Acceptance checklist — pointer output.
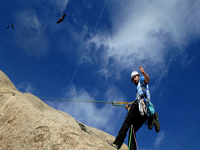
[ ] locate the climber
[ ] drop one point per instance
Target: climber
(137, 114)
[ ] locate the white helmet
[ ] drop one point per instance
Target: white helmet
(134, 73)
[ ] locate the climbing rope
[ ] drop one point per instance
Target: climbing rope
(72, 100)
(114, 103)
(132, 130)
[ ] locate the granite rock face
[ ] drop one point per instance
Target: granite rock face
(27, 123)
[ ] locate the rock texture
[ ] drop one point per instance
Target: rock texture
(27, 123)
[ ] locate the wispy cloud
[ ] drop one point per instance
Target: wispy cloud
(30, 36)
(61, 4)
(159, 139)
(31, 25)
(144, 31)
(26, 88)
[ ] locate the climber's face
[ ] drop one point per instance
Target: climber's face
(135, 79)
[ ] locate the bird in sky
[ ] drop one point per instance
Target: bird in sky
(61, 19)
(7, 26)
(12, 26)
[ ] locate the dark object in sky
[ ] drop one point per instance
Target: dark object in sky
(61, 19)
(7, 26)
(12, 26)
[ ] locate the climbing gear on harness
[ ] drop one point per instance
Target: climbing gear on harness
(119, 103)
(145, 106)
(150, 109)
(142, 107)
(114, 103)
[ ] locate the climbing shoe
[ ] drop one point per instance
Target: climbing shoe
(156, 122)
(150, 123)
(113, 145)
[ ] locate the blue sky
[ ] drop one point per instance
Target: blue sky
(91, 54)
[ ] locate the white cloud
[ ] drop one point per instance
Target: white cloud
(61, 4)
(31, 25)
(26, 87)
(142, 31)
(30, 35)
(159, 139)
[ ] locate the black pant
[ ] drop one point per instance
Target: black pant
(133, 118)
